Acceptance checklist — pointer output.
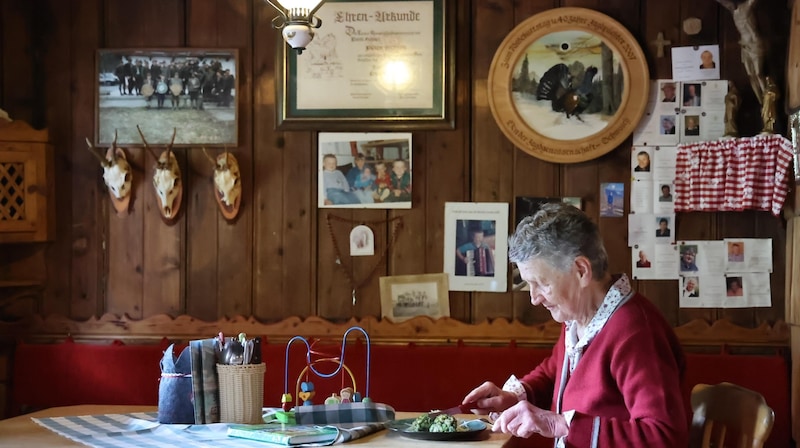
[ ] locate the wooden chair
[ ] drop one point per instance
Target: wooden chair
(727, 415)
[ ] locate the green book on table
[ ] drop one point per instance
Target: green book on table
(284, 434)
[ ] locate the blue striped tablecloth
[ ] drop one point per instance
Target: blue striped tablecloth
(142, 430)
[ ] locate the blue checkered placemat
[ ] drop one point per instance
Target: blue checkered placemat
(142, 429)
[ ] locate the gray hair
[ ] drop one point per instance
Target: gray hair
(558, 233)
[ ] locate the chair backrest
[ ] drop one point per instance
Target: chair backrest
(727, 415)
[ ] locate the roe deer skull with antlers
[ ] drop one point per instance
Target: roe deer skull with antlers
(228, 183)
(116, 173)
(166, 178)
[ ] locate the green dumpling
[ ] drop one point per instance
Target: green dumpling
(422, 423)
(443, 423)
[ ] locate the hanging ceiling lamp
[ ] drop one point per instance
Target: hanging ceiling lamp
(297, 21)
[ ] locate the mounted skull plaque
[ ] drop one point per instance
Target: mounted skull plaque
(116, 174)
(166, 179)
(227, 183)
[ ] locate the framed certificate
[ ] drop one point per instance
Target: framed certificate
(372, 65)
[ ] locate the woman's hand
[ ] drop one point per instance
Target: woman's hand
(524, 420)
(490, 398)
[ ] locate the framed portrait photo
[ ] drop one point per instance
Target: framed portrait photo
(407, 296)
(364, 170)
(373, 65)
(568, 85)
(194, 91)
(476, 245)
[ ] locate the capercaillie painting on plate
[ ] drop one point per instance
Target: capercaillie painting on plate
(568, 85)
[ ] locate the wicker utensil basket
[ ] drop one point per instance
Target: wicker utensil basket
(241, 393)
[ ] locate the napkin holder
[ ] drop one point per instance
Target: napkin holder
(205, 382)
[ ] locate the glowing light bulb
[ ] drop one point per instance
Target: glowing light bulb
(395, 75)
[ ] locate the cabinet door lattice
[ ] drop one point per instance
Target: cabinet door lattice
(26, 186)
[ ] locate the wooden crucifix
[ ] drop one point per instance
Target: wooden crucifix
(660, 43)
(753, 48)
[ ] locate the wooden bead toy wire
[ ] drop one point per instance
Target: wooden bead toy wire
(307, 368)
(339, 360)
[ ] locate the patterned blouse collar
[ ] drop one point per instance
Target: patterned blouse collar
(618, 294)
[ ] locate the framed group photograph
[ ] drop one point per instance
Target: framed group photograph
(364, 170)
(476, 245)
(407, 296)
(194, 91)
(568, 85)
(373, 65)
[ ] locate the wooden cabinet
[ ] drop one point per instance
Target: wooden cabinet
(27, 190)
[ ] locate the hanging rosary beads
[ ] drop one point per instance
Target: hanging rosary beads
(348, 270)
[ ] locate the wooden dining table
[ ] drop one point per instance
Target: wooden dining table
(22, 431)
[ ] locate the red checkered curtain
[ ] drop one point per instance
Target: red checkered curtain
(733, 174)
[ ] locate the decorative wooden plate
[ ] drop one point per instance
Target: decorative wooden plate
(568, 85)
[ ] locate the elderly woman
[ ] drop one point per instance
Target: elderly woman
(613, 378)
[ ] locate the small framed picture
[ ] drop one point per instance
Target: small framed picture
(362, 241)
(407, 296)
(476, 245)
(614, 194)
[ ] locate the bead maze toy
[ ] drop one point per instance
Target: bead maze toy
(304, 389)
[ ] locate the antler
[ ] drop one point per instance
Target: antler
(213, 162)
(169, 147)
(97, 153)
(114, 148)
(155, 156)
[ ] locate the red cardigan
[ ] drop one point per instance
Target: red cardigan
(626, 387)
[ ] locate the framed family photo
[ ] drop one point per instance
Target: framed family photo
(364, 170)
(568, 85)
(407, 296)
(194, 91)
(476, 245)
(373, 65)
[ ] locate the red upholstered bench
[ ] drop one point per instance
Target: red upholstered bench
(70, 373)
(409, 377)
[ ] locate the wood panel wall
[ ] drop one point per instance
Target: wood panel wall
(277, 259)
